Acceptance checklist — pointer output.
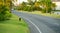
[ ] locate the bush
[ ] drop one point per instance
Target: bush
(27, 8)
(46, 11)
(4, 12)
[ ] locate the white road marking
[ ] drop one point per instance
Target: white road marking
(33, 24)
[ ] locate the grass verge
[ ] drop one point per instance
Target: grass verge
(13, 26)
(44, 14)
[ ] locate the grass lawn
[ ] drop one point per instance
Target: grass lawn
(44, 14)
(13, 26)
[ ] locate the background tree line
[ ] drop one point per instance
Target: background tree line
(45, 6)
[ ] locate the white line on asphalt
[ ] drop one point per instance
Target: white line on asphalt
(33, 24)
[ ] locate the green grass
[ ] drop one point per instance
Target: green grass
(13, 26)
(44, 14)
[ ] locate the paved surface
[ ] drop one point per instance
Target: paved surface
(39, 23)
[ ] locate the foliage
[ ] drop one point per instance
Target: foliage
(5, 9)
(53, 6)
(46, 6)
(4, 12)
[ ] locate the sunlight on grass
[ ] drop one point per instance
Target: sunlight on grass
(44, 14)
(13, 26)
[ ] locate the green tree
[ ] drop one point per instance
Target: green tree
(5, 9)
(53, 6)
(4, 13)
(46, 4)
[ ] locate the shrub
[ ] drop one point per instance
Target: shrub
(4, 12)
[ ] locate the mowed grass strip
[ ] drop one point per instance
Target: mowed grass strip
(14, 26)
(44, 14)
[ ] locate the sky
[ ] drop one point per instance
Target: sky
(20, 1)
(58, 5)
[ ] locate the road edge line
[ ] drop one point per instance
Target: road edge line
(34, 25)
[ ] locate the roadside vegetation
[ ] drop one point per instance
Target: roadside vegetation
(42, 7)
(14, 25)
(4, 11)
(43, 14)
(46, 14)
(10, 23)
(45, 6)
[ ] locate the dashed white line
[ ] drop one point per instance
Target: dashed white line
(33, 24)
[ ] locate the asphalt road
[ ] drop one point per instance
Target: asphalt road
(39, 23)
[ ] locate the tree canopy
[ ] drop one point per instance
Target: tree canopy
(45, 6)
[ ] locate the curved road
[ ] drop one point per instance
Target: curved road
(39, 23)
